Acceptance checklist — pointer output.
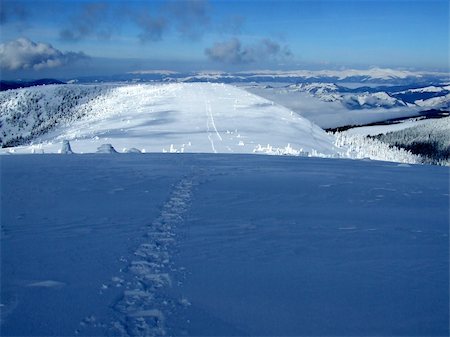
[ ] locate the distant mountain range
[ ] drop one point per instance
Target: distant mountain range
(403, 79)
(378, 76)
(436, 96)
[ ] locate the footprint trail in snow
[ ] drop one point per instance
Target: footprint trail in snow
(143, 307)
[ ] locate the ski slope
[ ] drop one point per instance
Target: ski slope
(180, 117)
(222, 245)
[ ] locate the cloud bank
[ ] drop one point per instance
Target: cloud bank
(234, 52)
(22, 53)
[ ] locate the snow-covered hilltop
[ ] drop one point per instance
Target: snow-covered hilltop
(179, 117)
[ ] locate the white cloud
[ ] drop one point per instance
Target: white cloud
(23, 53)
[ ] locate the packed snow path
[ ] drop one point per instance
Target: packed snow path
(179, 117)
(142, 309)
(222, 245)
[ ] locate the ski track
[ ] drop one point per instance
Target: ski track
(208, 129)
(143, 306)
(211, 118)
(210, 124)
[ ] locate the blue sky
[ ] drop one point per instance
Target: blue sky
(73, 37)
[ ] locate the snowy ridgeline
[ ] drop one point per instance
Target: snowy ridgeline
(222, 245)
(195, 117)
(174, 118)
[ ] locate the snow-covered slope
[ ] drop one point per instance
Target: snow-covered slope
(440, 102)
(189, 117)
(371, 100)
(28, 113)
(222, 245)
(430, 140)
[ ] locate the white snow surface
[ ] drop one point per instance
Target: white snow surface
(222, 245)
(180, 117)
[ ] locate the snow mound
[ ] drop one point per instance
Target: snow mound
(132, 150)
(106, 148)
(176, 117)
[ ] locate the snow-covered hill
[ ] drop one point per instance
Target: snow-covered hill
(180, 117)
(222, 245)
(431, 140)
(371, 100)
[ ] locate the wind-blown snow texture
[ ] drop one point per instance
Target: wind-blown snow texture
(204, 244)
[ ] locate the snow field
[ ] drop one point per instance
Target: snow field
(200, 244)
